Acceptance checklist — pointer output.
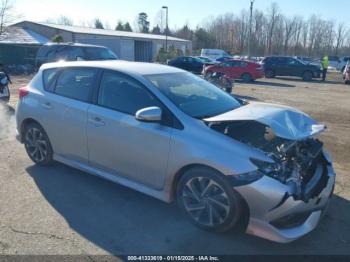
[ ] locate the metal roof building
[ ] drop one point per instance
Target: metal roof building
(127, 45)
(19, 46)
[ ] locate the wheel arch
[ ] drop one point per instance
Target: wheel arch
(244, 219)
(25, 123)
(308, 71)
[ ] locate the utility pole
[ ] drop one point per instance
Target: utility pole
(166, 28)
(250, 28)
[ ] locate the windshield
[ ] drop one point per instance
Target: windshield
(193, 95)
(301, 61)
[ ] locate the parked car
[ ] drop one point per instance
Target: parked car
(237, 69)
(223, 59)
(334, 62)
(342, 64)
(172, 135)
(188, 63)
(54, 52)
(207, 60)
(214, 53)
(290, 66)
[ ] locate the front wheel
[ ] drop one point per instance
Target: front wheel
(307, 76)
(246, 77)
(269, 74)
(208, 199)
(37, 145)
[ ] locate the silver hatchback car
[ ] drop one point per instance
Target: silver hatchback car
(172, 135)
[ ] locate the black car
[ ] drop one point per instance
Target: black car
(290, 66)
(72, 52)
(189, 63)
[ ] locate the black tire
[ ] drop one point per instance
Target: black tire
(347, 82)
(37, 144)
(208, 199)
(246, 77)
(269, 73)
(307, 76)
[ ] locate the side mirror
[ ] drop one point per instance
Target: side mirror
(149, 114)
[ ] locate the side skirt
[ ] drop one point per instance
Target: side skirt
(115, 179)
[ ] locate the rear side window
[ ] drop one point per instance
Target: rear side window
(123, 94)
(49, 77)
(99, 53)
(76, 83)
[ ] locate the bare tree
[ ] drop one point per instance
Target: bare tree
(272, 33)
(340, 37)
(272, 21)
(64, 20)
(289, 26)
(7, 15)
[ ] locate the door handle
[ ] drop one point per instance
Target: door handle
(96, 121)
(47, 105)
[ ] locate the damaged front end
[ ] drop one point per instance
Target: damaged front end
(289, 200)
(287, 137)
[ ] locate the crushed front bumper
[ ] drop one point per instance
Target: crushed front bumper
(275, 214)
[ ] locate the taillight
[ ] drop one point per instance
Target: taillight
(22, 92)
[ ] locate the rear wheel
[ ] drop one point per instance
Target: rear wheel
(307, 76)
(209, 200)
(246, 77)
(37, 145)
(269, 73)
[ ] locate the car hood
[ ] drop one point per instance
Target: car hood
(285, 122)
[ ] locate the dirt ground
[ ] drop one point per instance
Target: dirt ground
(59, 210)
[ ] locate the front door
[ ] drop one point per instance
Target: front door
(118, 143)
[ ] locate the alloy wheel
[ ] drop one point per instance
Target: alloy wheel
(36, 145)
(206, 201)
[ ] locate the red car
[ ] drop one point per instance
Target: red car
(237, 69)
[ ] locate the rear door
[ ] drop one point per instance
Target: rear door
(233, 69)
(118, 143)
(282, 67)
(66, 103)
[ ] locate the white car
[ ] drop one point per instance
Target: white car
(334, 62)
(343, 61)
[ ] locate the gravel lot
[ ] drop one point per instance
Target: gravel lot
(59, 210)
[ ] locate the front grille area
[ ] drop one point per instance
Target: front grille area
(317, 180)
(291, 221)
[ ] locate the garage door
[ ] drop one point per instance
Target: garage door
(143, 51)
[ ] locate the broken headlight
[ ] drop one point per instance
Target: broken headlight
(273, 170)
(246, 178)
(265, 167)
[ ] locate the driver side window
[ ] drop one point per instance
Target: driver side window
(124, 94)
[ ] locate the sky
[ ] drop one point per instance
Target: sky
(192, 12)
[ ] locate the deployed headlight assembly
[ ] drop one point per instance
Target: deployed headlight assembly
(246, 178)
(265, 167)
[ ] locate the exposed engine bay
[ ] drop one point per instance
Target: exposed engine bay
(299, 164)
